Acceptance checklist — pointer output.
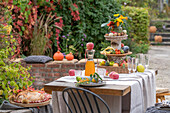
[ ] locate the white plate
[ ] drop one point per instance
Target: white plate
(93, 84)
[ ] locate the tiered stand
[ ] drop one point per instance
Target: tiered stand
(116, 43)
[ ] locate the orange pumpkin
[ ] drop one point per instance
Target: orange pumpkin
(69, 56)
(158, 38)
(58, 56)
(152, 29)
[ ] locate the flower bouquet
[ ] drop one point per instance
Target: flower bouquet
(115, 25)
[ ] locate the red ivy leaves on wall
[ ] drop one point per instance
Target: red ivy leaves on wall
(26, 28)
(75, 14)
(19, 20)
(60, 24)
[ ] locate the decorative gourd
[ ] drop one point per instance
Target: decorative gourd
(69, 56)
(58, 56)
(158, 38)
(152, 29)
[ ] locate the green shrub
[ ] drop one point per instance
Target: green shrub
(13, 76)
(88, 29)
(138, 29)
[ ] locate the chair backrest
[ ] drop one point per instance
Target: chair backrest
(79, 100)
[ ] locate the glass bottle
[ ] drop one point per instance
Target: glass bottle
(90, 66)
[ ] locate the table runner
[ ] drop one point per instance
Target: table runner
(143, 93)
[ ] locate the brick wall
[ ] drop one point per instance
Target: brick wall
(45, 73)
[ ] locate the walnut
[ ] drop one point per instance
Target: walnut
(12, 97)
(25, 101)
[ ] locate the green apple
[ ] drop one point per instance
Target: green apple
(78, 78)
(111, 63)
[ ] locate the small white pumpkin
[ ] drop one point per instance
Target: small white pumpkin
(111, 34)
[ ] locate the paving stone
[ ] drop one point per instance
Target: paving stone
(160, 60)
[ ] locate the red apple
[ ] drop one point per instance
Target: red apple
(72, 72)
(122, 45)
(114, 75)
(124, 64)
(90, 45)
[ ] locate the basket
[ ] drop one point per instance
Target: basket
(119, 69)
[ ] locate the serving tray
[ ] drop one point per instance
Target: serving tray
(117, 55)
(31, 104)
(116, 37)
(94, 84)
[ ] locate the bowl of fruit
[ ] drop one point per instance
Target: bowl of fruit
(90, 81)
(118, 66)
(111, 51)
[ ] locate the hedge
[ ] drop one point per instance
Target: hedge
(88, 29)
(138, 29)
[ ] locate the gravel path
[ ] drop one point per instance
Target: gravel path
(160, 60)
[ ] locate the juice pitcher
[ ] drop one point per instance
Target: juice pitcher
(90, 66)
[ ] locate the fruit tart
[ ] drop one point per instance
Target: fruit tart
(30, 96)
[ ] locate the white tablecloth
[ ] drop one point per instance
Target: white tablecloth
(142, 95)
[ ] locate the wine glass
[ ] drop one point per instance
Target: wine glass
(78, 72)
(101, 72)
(134, 64)
(139, 58)
(129, 61)
(146, 59)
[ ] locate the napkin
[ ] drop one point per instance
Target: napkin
(67, 79)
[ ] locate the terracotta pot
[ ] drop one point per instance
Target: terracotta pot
(152, 29)
(158, 38)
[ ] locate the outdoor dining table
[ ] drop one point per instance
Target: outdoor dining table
(132, 93)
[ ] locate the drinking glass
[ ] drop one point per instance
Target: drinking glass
(101, 72)
(139, 58)
(129, 61)
(146, 59)
(78, 72)
(134, 64)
